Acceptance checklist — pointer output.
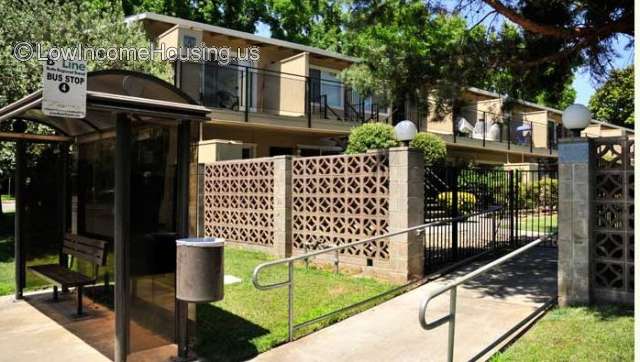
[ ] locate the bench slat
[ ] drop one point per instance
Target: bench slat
(61, 275)
(88, 249)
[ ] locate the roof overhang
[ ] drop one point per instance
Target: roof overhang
(543, 108)
(111, 95)
(240, 34)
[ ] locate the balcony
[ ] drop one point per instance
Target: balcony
(247, 94)
(534, 133)
(531, 132)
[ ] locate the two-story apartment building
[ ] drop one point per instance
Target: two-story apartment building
(291, 101)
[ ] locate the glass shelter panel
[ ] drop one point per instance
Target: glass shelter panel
(152, 222)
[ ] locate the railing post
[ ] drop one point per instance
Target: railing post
(454, 211)
(452, 323)
(550, 136)
(325, 104)
(508, 133)
(247, 92)
(307, 94)
(453, 129)
(512, 206)
(290, 296)
(531, 137)
(484, 129)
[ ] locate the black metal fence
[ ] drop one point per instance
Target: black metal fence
(522, 205)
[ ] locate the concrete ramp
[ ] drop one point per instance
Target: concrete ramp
(491, 310)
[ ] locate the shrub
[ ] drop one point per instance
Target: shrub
(371, 136)
(540, 193)
(466, 201)
(490, 186)
(432, 146)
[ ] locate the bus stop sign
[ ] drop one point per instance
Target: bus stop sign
(64, 88)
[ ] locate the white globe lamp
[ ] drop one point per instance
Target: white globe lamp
(576, 118)
(405, 131)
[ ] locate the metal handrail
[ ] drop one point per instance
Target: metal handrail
(453, 286)
(336, 249)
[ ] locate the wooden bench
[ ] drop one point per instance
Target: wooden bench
(79, 247)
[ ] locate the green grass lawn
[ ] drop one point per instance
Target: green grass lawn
(576, 334)
(542, 223)
(249, 321)
(7, 268)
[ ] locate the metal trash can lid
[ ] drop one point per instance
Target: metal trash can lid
(201, 242)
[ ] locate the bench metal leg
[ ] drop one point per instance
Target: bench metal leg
(79, 300)
(55, 293)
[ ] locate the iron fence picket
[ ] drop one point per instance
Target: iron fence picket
(527, 201)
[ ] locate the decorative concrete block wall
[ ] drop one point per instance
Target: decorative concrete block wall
(595, 223)
(286, 206)
(239, 202)
(339, 200)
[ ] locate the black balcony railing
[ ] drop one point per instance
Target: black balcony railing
(253, 91)
(512, 130)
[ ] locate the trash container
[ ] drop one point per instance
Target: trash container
(200, 269)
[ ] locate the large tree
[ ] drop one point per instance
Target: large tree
(316, 22)
(584, 30)
(613, 101)
(414, 50)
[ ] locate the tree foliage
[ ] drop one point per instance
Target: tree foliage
(65, 24)
(61, 24)
(613, 101)
(411, 51)
(582, 31)
(316, 22)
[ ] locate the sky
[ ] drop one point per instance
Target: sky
(583, 83)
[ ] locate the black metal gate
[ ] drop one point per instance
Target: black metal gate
(491, 208)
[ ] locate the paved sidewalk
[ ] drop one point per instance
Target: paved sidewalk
(28, 335)
(489, 308)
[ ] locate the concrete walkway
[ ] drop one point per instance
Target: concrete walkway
(489, 308)
(26, 334)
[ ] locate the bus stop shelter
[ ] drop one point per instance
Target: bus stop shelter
(128, 166)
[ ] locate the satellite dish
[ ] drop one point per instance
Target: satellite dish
(464, 126)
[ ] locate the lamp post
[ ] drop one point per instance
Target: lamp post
(405, 131)
(575, 118)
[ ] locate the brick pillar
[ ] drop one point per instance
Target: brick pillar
(282, 199)
(574, 221)
(406, 209)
